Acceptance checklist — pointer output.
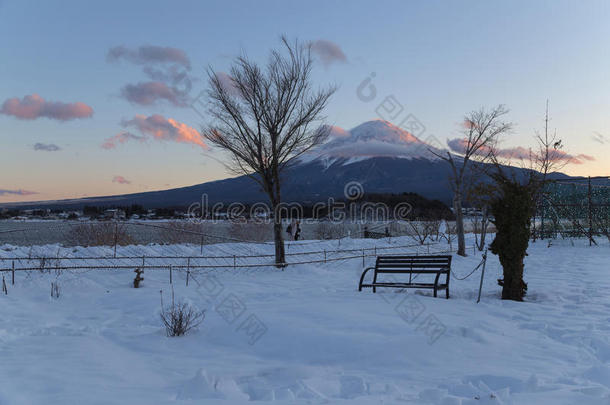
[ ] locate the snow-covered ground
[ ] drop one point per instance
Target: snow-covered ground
(306, 335)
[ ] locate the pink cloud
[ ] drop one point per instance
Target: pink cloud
(33, 106)
(120, 180)
(328, 52)
(459, 145)
(17, 192)
(338, 132)
(120, 138)
(159, 128)
(561, 156)
(148, 93)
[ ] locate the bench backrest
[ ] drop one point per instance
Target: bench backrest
(412, 264)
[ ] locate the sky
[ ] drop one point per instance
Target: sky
(102, 98)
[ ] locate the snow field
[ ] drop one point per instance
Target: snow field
(306, 335)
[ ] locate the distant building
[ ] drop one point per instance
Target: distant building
(114, 214)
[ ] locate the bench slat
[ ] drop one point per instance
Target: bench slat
(407, 285)
(414, 265)
(411, 265)
(401, 271)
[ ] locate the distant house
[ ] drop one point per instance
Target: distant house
(114, 214)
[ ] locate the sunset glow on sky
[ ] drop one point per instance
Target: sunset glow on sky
(102, 98)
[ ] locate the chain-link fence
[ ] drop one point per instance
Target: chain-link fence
(574, 208)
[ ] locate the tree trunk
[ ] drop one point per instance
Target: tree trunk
(513, 285)
(512, 213)
(459, 223)
(278, 237)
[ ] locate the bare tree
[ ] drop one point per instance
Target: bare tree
(548, 159)
(480, 194)
(482, 129)
(424, 230)
(514, 206)
(265, 117)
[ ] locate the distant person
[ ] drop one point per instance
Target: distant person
(291, 229)
(297, 232)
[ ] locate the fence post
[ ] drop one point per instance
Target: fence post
(362, 257)
(170, 274)
(116, 232)
(13, 273)
(4, 289)
(202, 245)
(324, 255)
(234, 261)
(482, 275)
(188, 270)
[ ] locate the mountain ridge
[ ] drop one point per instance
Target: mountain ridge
(380, 156)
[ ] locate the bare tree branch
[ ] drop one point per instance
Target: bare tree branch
(266, 117)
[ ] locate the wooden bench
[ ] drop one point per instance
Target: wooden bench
(411, 265)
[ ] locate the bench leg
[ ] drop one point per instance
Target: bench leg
(375, 281)
(436, 284)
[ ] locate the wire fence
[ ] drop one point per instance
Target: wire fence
(61, 263)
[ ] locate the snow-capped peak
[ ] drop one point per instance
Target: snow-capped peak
(377, 138)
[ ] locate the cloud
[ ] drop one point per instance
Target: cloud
(459, 145)
(519, 152)
(338, 132)
(149, 54)
(601, 138)
(157, 127)
(121, 138)
(227, 83)
(561, 156)
(33, 106)
(375, 138)
(17, 192)
(328, 52)
(47, 147)
(120, 180)
(167, 68)
(149, 93)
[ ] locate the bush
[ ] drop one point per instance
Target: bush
(250, 231)
(138, 279)
(327, 230)
(55, 289)
(100, 234)
(425, 230)
(179, 319)
(182, 232)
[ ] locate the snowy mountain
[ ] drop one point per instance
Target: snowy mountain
(372, 139)
(380, 156)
